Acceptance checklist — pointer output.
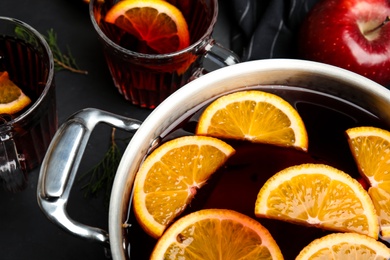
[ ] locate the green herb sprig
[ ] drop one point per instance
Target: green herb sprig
(61, 60)
(102, 175)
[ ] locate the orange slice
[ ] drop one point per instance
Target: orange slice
(170, 176)
(216, 234)
(156, 22)
(12, 98)
(341, 246)
(255, 116)
(370, 148)
(318, 195)
(381, 200)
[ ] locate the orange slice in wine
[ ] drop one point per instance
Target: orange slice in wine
(171, 175)
(254, 116)
(340, 246)
(12, 98)
(216, 234)
(370, 147)
(318, 195)
(157, 23)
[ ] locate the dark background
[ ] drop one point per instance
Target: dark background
(25, 232)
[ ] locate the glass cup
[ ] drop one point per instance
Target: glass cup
(147, 79)
(24, 137)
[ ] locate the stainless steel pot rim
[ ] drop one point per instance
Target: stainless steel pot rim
(195, 93)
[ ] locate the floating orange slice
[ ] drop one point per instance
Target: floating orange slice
(12, 98)
(318, 195)
(170, 176)
(216, 234)
(340, 246)
(255, 116)
(156, 22)
(370, 147)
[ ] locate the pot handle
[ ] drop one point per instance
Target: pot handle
(59, 168)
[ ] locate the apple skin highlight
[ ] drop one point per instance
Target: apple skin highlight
(351, 34)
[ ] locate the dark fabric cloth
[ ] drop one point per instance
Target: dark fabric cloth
(266, 28)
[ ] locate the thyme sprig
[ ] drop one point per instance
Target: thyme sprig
(102, 175)
(62, 61)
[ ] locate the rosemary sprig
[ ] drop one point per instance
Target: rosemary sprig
(61, 60)
(101, 176)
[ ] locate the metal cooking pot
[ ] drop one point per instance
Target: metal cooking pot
(64, 154)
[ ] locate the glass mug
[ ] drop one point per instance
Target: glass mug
(147, 79)
(25, 136)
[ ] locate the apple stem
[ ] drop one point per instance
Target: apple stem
(379, 26)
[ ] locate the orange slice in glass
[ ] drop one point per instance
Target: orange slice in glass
(318, 195)
(12, 98)
(156, 22)
(216, 234)
(370, 147)
(170, 176)
(255, 116)
(340, 246)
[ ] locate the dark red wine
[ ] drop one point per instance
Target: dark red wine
(236, 185)
(147, 81)
(196, 13)
(30, 130)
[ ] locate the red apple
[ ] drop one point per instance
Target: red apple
(351, 34)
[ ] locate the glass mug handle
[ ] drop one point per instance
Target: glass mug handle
(11, 163)
(59, 168)
(219, 56)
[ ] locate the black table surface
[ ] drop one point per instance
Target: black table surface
(25, 232)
